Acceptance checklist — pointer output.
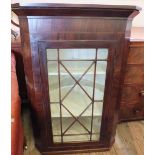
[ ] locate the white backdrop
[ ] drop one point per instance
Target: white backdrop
(137, 22)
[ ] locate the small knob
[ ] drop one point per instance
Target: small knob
(142, 93)
(136, 111)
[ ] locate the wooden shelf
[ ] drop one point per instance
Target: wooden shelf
(76, 73)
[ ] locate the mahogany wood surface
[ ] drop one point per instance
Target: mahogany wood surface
(71, 26)
(132, 98)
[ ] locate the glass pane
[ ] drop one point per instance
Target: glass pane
(77, 138)
(87, 80)
(76, 128)
(76, 101)
(102, 53)
(86, 120)
(96, 124)
(67, 120)
(100, 79)
(97, 119)
(98, 107)
(77, 120)
(55, 114)
(53, 81)
(71, 54)
(55, 109)
(77, 68)
(83, 125)
(66, 82)
(72, 127)
(52, 54)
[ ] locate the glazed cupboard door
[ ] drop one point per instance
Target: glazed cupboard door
(75, 79)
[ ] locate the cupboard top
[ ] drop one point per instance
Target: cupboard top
(42, 9)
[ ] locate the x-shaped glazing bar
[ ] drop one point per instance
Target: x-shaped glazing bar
(76, 81)
(75, 121)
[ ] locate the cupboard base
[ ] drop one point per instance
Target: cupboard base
(72, 151)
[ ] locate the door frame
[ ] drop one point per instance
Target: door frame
(107, 125)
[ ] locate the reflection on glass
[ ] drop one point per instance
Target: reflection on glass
(76, 80)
